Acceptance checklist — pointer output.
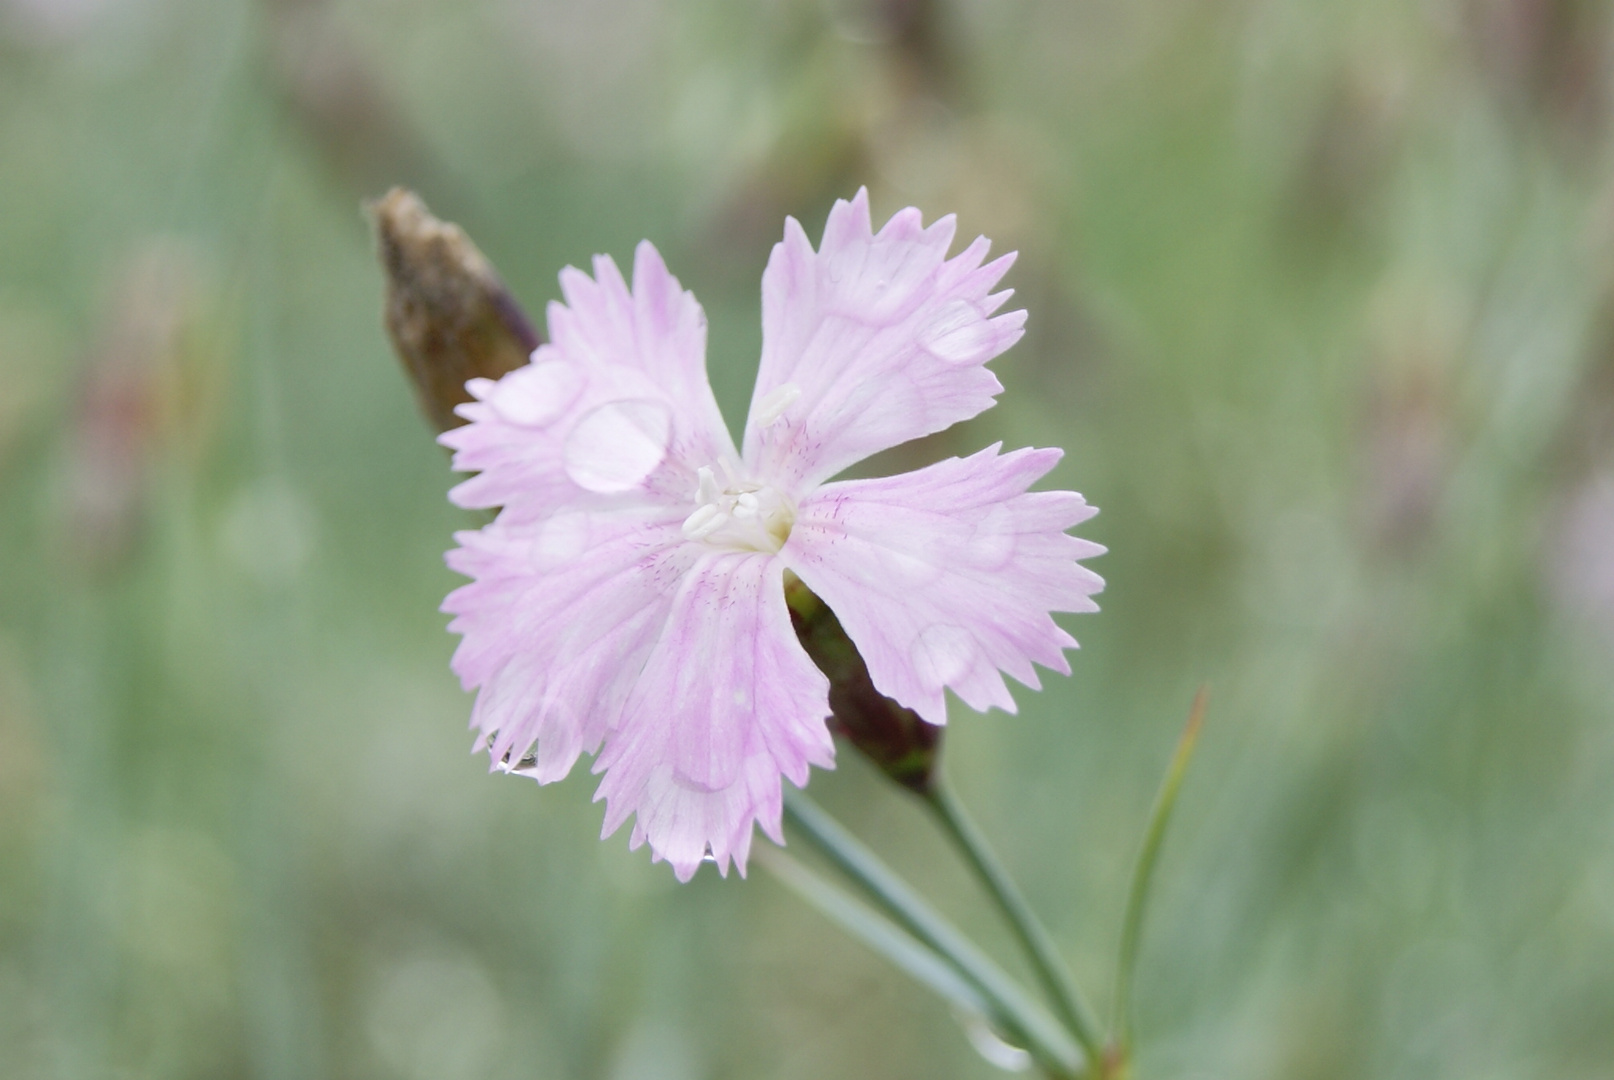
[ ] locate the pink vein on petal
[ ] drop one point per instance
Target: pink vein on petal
(727, 703)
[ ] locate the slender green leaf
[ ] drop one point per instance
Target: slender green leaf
(1038, 944)
(1143, 872)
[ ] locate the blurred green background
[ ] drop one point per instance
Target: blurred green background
(1321, 308)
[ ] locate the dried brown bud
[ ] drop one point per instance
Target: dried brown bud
(902, 745)
(448, 314)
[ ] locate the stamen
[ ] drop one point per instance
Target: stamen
(773, 404)
(737, 513)
(706, 520)
(706, 490)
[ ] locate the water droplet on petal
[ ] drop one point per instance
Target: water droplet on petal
(960, 335)
(617, 446)
(536, 394)
(943, 654)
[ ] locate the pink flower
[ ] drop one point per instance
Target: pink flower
(628, 600)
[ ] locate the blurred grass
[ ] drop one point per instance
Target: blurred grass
(1320, 310)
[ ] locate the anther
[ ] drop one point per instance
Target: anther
(773, 404)
(706, 520)
(706, 489)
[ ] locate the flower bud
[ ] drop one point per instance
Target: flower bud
(902, 745)
(448, 314)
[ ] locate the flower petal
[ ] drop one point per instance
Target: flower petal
(727, 702)
(617, 404)
(556, 626)
(870, 341)
(945, 576)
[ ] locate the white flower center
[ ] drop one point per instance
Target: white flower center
(736, 513)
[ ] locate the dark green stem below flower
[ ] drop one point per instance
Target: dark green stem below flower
(1020, 1019)
(1039, 947)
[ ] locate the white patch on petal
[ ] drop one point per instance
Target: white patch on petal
(560, 540)
(944, 654)
(616, 447)
(915, 567)
(994, 541)
(534, 396)
(959, 335)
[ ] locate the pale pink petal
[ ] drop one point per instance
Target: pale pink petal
(556, 626)
(616, 408)
(727, 702)
(946, 576)
(870, 341)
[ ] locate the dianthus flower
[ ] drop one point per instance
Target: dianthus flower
(628, 601)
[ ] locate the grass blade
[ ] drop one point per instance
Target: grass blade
(1143, 872)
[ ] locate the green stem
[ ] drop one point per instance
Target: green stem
(1024, 1021)
(880, 934)
(1143, 872)
(1034, 939)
